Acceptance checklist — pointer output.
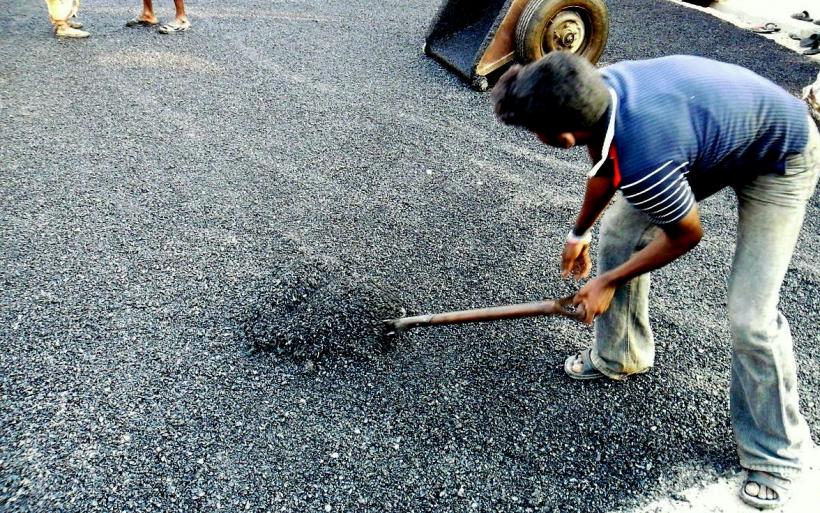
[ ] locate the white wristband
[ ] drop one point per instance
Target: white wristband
(586, 238)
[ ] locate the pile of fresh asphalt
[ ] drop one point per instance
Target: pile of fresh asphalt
(315, 307)
(155, 188)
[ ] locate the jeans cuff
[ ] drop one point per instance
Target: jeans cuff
(601, 366)
(778, 470)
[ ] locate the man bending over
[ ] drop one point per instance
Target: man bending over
(667, 133)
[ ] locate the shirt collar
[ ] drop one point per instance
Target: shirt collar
(610, 134)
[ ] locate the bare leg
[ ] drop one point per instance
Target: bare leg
(180, 23)
(179, 5)
(147, 12)
(146, 18)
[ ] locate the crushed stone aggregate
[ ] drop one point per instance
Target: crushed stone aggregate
(155, 188)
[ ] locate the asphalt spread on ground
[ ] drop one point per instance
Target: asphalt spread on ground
(164, 196)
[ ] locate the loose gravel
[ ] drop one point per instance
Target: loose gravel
(159, 193)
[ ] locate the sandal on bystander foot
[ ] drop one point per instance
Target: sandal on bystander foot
(139, 22)
(174, 27)
(66, 31)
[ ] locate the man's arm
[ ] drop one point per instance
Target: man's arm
(575, 257)
(674, 240)
(598, 194)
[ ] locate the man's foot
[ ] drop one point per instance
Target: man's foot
(74, 23)
(178, 25)
(64, 30)
(764, 490)
(142, 21)
(579, 366)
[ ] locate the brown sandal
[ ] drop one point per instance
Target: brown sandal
(139, 22)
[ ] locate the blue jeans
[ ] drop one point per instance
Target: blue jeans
(769, 429)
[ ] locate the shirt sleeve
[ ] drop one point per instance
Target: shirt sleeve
(662, 193)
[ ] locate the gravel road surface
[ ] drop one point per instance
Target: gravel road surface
(159, 191)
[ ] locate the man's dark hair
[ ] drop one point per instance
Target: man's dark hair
(561, 92)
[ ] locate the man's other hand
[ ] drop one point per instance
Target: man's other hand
(594, 298)
(575, 260)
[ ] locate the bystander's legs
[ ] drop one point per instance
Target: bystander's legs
(62, 14)
(180, 23)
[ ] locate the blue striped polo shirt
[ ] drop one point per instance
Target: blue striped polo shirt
(682, 127)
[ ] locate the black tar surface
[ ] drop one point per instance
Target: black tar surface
(153, 188)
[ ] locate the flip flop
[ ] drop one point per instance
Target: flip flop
(776, 484)
(814, 50)
(766, 28)
(802, 16)
(810, 41)
(174, 26)
(138, 22)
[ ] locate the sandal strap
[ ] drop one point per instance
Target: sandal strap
(586, 359)
(588, 370)
(778, 484)
(177, 25)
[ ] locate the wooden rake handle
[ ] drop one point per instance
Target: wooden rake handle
(561, 306)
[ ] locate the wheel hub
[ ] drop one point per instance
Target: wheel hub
(566, 32)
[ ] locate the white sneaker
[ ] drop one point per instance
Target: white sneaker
(70, 32)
